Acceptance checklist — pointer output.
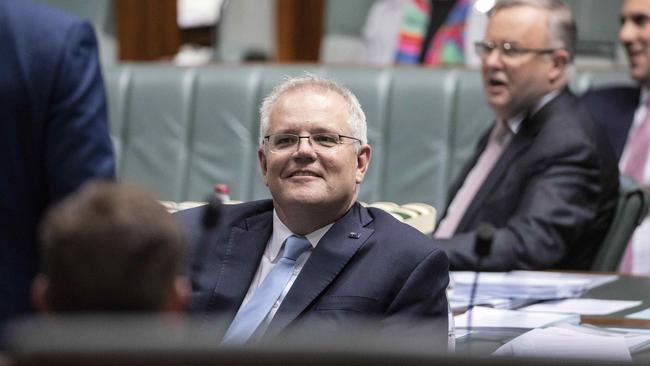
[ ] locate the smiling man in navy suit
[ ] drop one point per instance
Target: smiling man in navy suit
(359, 263)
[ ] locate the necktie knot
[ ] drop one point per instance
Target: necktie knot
(501, 131)
(294, 246)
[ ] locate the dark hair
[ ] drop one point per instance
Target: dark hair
(110, 247)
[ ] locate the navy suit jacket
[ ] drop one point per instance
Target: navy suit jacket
(613, 108)
(551, 195)
(368, 265)
(53, 130)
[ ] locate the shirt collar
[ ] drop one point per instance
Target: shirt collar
(281, 232)
(545, 100)
(645, 95)
(514, 123)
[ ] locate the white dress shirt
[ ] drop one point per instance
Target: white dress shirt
(639, 116)
(641, 236)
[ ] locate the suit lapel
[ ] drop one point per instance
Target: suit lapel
(329, 258)
(521, 141)
(467, 168)
(238, 263)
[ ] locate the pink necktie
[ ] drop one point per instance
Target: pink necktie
(474, 180)
(637, 157)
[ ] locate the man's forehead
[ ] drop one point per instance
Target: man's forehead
(528, 24)
(309, 98)
(635, 7)
(313, 105)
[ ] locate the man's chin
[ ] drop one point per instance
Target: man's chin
(302, 198)
(500, 108)
(640, 74)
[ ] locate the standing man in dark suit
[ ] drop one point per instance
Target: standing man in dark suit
(623, 112)
(53, 131)
(544, 175)
(355, 262)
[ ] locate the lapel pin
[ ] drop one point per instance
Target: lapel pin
(353, 235)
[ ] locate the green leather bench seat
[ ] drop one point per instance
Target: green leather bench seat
(180, 130)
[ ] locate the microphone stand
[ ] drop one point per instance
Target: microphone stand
(482, 248)
(209, 221)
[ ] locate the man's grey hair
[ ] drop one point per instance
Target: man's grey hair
(561, 25)
(356, 117)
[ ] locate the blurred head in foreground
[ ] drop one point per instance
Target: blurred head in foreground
(110, 247)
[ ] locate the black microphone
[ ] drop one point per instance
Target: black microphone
(482, 248)
(483, 244)
(212, 212)
(210, 219)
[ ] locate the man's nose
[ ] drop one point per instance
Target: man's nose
(305, 146)
(492, 59)
(627, 32)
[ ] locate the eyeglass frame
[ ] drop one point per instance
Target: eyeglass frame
(508, 49)
(267, 139)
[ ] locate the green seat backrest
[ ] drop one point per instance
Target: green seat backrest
(182, 130)
(117, 89)
(631, 209)
(157, 116)
(420, 112)
(598, 77)
(222, 147)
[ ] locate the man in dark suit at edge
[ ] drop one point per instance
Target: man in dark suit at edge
(53, 135)
(357, 263)
(623, 112)
(544, 175)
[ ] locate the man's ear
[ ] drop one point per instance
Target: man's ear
(40, 287)
(561, 59)
(363, 161)
(261, 156)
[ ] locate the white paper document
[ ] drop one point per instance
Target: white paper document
(582, 306)
(483, 317)
(462, 303)
(637, 340)
(643, 314)
(560, 342)
(526, 284)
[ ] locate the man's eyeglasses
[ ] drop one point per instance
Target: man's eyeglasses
(287, 141)
(507, 49)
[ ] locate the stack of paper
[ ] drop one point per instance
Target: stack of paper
(462, 303)
(483, 317)
(573, 341)
(526, 284)
(583, 306)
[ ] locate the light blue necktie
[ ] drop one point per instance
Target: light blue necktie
(251, 315)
